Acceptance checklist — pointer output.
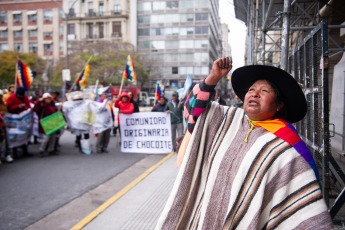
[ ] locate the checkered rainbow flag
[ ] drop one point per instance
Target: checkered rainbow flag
(24, 75)
(129, 72)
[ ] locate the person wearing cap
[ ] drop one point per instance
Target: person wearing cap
(45, 107)
(175, 107)
(17, 103)
(246, 168)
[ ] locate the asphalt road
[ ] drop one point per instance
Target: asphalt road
(32, 188)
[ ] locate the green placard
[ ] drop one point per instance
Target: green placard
(53, 123)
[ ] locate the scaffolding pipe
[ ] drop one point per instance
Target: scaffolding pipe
(264, 25)
(263, 33)
(285, 35)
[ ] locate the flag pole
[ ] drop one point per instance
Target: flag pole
(15, 75)
(154, 103)
(123, 79)
(75, 82)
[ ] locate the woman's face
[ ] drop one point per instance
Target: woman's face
(260, 101)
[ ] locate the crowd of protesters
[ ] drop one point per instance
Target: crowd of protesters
(14, 101)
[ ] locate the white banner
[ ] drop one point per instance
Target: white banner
(87, 115)
(18, 128)
(148, 132)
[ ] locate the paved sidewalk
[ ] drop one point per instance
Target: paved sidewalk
(141, 206)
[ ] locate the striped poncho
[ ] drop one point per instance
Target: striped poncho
(226, 183)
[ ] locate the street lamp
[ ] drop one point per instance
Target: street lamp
(66, 28)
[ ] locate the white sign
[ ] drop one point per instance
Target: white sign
(66, 75)
(146, 132)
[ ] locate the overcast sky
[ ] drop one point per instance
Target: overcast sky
(237, 33)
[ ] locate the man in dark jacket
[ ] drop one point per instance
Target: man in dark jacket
(160, 106)
(131, 100)
(175, 107)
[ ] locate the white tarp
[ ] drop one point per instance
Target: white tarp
(145, 133)
(87, 115)
(18, 128)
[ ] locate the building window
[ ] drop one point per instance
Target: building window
(71, 29)
(3, 17)
(47, 48)
(157, 31)
(101, 30)
(18, 47)
(185, 70)
(32, 18)
(186, 30)
(61, 46)
(116, 29)
(61, 27)
(90, 7)
(172, 31)
(201, 16)
(18, 33)
(200, 44)
(158, 5)
(17, 18)
(172, 5)
(143, 32)
(201, 57)
(3, 34)
(187, 17)
(144, 45)
(33, 47)
(186, 44)
(201, 30)
(144, 19)
(3, 47)
(186, 57)
(71, 11)
(90, 30)
(172, 44)
(101, 9)
(158, 45)
(47, 35)
(48, 15)
(174, 70)
(117, 9)
(187, 4)
(32, 33)
(144, 6)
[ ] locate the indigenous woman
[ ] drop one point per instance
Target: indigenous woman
(246, 168)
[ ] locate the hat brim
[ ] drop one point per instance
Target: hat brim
(292, 94)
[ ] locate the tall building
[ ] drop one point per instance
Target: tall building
(178, 38)
(95, 20)
(31, 27)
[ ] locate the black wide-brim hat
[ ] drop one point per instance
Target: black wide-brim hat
(291, 92)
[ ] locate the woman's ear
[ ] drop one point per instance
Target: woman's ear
(280, 106)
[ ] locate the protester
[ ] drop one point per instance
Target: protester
(103, 97)
(103, 137)
(174, 107)
(3, 108)
(160, 106)
(218, 98)
(55, 96)
(135, 104)
(124, 106)
(246, 168)
(77, 96)
(45, 107)
(17, 103)
(10, 91)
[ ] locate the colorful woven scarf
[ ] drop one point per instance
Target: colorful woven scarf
(288, 133)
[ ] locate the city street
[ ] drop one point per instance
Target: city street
(34, 188)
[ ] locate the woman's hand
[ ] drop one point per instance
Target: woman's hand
(220, 69)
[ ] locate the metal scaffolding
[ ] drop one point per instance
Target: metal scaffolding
(302, 37)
